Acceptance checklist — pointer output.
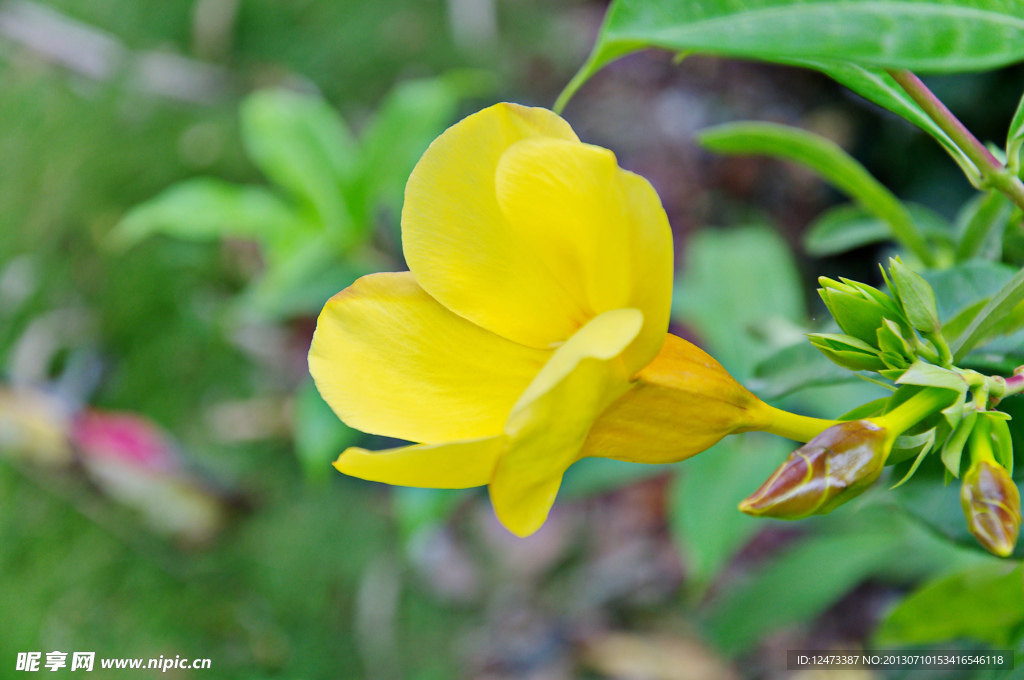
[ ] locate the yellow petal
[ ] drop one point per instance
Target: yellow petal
(549, 424)
(456, 465)
(458, 243)
(600, 230)
(390, 360)
(681, 404)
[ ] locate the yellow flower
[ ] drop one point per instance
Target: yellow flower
(531, 331)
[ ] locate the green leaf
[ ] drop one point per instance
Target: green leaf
(712, 485)
(797, 585)
(928, 375)
(952, 451)
(302, 144)
(984, 222)
(924, 35)
(999, 307)
(846, 227)
(876, 85)
(868, 410)
(1002, 441)
(794, 368)
(828, 160)
(301, 280)
(206, 209)
(983, 603)
(925, 448)
(847, 351)
(963, 285)
(320, 436)
(1015, 138)
(732, 280)
(915, 296)
(412, 115)
(958, 324)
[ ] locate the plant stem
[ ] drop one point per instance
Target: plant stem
(915, 409)
(1015, 383)
(994, 174)
(793, 426)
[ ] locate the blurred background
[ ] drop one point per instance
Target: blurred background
(182, 186)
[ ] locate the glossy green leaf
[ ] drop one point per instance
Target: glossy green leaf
(206, 209)
(998, 308)
(925, 35)
(983, 603)
(302, 144)
(828, 160)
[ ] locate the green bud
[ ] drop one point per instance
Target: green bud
(890, 339)
(894, 360)
(916, 296)
(856, 315)
(991, 504)
(834, 467)
(893, 310)
(847, 351)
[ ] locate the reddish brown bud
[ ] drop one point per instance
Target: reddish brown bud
(824, 473)
(992, 506)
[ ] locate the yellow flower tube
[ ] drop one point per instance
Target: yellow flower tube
(531, 330)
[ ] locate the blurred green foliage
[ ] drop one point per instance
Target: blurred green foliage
(211, 196)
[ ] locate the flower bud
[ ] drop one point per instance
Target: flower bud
(992, 506)
(824, 473)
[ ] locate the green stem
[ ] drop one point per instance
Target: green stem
(945, 358)
(981, 443)
(796, 427)
(993, 173)
(915, 409)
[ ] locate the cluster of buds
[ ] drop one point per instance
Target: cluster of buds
(848, 457)
(898, 335)
(879, 329)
